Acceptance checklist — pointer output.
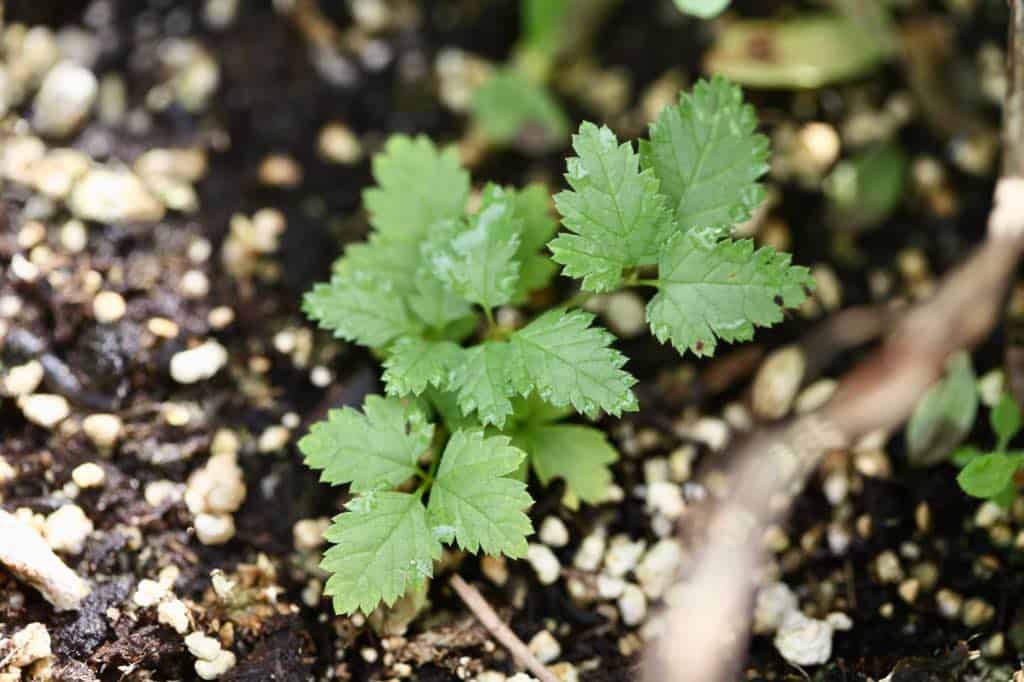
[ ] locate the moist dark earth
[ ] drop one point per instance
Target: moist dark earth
(273, 100)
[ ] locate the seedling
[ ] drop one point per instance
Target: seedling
(473, 404)
(990, 475)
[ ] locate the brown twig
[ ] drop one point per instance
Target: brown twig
(489, 618)
(706, 632)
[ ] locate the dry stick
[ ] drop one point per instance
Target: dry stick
(489, 618)
(705, 631)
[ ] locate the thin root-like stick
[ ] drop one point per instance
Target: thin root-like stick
(489, 618)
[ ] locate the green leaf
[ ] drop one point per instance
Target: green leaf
(864, 190)
(382, 548)
(383, 259)
(416, 363)
(509, 103)
(945, 415)
(418, 185)
(711, 290)
(371, 450)
(965, 455)
(580, 455)
(705, 9)
(472, 495)
(614, 210)
(708, 156)
(809, 51)
(483, 382)
(544, 25)
(433, 303)
(567, 362)
(1006, 420)
(533, 410)
(532, 206)
(478, 261)
(360, 308)
(446, 404)
(1005, 497)
(988, 475)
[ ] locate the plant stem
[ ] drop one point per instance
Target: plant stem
(578, 300)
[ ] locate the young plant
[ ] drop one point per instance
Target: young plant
(990, 475)
(473, 404)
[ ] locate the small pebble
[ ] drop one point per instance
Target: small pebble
(977, 612)
(108, 306)
(772, 605)
(553, 532)
(221, 317)
(28, 645)
(494, 568)
(110, 195)
(949, 603)
(279, 170)
(73, 236)
(989, 513)
(909, 590)
(609, 587)
(591, 551)
(273, 439)
(815, 395)
(64, 99)
(103, 430)
(162, 327)
(199, 363)
(211, 670)
(777, 382)
(308, 534)
(659, 568)
(202, 646)
(338, 144)
(7, 472)
(149, 593)
(162, 492)
(666, 499)
(625, 314)
(22, 380)
(67, 528)
(622, 555)
(804, 641)
(88, 475)
(545, 647)
(214, 529)
(633, 605)
(45, 409)
(544, 563)
(174, 613)
(887, 566)
(194, 284)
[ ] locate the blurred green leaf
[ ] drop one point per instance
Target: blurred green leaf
(987, 476)
(865, 189)
(705, 9)
(807, 51)
(544, 25)
(945, 415)
(1006, 420)
(965, 455)
(508, 105)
